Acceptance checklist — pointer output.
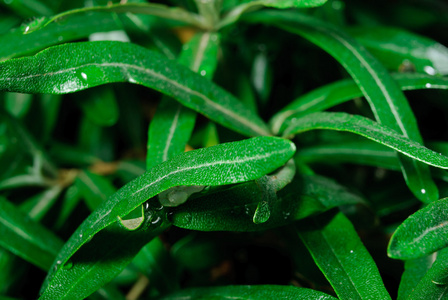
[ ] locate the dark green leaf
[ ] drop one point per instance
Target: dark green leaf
(369, 129)
(386, 100)
(401, 50)
(218, 165)
(268, 292)
(419, 235)
(100, 106)
(103, 62)
(414, 271)
(27, 238)
(232, 209)
(341, 256)
(95, 188)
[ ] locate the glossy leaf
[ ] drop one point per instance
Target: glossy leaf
(218, 165)
(103, 62)
(238, 7)
(27, 238)
(429, 287)
(232, 209)
(248, 292)
(16, 44)
(414, 271)
(341, 256)
(386, 100)
(174, 13)
(397, 48)
(369, 129)
(341, 91)
(419, 235)
(171, 127)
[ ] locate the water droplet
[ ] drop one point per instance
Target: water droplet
(84, 75)
(156, 220)
(33, 25)
(351, 251)
(134, 223)
(203, 73)
(423, 191)
(428, 85)
(68, 265)
(80, 236)
(60, 38)
(430, 70)
(214, 37)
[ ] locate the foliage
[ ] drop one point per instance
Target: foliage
(215, 149)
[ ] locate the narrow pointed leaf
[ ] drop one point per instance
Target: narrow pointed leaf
(94, 188)
(393, 46)
(341, 256)
(268, 292)
(171, 127)
(369, 129)
(55, 71)
(414, 271)
(174, 13)
(344, 90)
(386, 100)
(232, 209)
(27, 238)
(100, 106)
(218, 165)
(419, 235)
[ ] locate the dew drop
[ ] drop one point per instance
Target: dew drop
(430, 70)
(428, 85)
(68, 265)
(134, 223)
(84, 75)
(156, 220)
(60, 38)
(80, 236)
(423, 191)
(203, 73)
(351, 251)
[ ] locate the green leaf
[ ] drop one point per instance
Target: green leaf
(232, 209)
(240, 7)
(414, 271)
(38, 206)
(95, 188)
(31, 8)
(103, 62)
(429, 286)
(27, 238)
(17, 104)
(218, 165)
(100, 105)
(174, 13)
(267, 292)
(419, 235)
(369, 129)
(399, 49)
(386, 100)
(171, 127)
(341, 256)
(341, 91)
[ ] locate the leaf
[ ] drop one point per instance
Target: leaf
(429, 287)
(16, 44)
(369, 129)
(419, 235)
(232, 209)
(27, 238)
(386, 100)
(174, 13)
(222, 164)
(341, 91)
(103, 62)
(31, 8)
(95, 188)
(399, 49)
(171, 127)
(17, 104)
(341, 256)
(239, 7)
(100, 106)
(267, 292)
(414, 271)
(38, 206)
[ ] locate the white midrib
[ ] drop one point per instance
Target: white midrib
(235, 117)
(171, 132)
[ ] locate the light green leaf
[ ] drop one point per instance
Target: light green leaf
(218, 165)
(369, 129)
(171, 127)
(341, 91)
(27, 238)
(174, 13)
(265, 292)
(399, 49)
(341, 256)
(103, 62)
(232, 209)
(419, 235)
(386, 100)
